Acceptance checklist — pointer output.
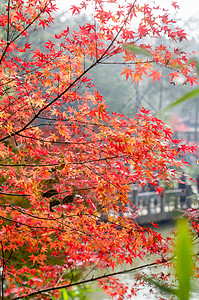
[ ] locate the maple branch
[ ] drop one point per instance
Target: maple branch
(51, 228)
(30, 226)
(89, 272)
(58, 142)
(17, 195)
(74, 163)
(27, 195)
(42, 218)
(26, 28)
(33, 21)
(105, 220)
(74, 82)
(94, 279)
(32, 70)
(83, 123)
(28, 165)
(121, 28)
(124, 63)
(32, 216)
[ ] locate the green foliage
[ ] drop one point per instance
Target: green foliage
(187, 96)
(65, 294)
(183, 265)
(137, 50)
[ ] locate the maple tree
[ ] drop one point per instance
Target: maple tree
(65, 175)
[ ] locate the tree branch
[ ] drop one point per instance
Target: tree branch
(91, 280)
(10, 42)
(74, 82)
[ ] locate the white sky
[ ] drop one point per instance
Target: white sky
(188, 8)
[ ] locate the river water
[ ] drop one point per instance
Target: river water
(144, 293)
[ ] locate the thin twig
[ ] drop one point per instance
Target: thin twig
(92, 279)
(75, 81)
(72, 163)
(15, 195)
(26, 28)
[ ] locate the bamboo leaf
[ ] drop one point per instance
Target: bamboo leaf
(137, 50)
(65, 294)
(190, 95)
(183, 260)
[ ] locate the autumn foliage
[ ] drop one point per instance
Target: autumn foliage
(66, 164)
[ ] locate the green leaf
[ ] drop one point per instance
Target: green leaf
(190, 95)
(137, 50)
(183, 262)
(65, 294)
(92, 290)
(183, 265)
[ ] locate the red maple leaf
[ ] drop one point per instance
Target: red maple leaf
(192, 80)
(128, 72)
(156, 75)
(160, 190)
(75, 9)
(144, 111)
(175, 5)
